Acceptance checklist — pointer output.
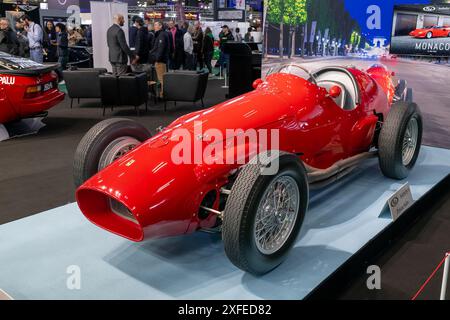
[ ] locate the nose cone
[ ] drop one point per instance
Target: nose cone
(141, 195)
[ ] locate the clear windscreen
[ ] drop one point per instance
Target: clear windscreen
(293, 69)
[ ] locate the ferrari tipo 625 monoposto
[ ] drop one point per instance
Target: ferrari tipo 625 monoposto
(328, 121)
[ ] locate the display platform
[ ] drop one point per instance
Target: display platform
(37, 254)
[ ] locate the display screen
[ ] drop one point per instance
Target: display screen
(421, 30)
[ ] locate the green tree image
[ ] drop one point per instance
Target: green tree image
(295, 16)
(328, 14)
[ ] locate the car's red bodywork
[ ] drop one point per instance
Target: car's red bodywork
(164, 198)
(436, 32)
(26, 88)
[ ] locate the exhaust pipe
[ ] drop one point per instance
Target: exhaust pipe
(322, 177)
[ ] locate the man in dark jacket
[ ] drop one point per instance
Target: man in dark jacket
(62, 48)
(8, 39)
(118, 48)
(159, 55)
(176, 44)
(132, 33)
(141, 48)
(224, 36)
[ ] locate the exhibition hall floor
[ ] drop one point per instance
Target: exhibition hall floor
(38, 251)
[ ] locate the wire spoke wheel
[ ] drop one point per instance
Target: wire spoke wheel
(117, 149)
(276, 214)
(410, 141)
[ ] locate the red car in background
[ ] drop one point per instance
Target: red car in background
(431, 32)
(27, 88)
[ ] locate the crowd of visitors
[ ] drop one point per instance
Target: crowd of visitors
(167, 46)
(50, 43)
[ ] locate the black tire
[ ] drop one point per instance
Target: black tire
(97, 139)
(240, 211)
(409, 95)
(390, 143)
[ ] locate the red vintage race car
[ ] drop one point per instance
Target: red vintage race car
(27, 88)
(325, 122)
(431, 32)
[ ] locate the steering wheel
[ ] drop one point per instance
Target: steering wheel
(281, 68)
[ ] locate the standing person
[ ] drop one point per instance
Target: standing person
(8, 39)
(189, 49)
(238, 37)
(176, 46)
(197, 38)
(160, 53)
(248, 36)
(88, 35)
(208, 48)
(184, 27)
(151, 36)
(24, 49)
(141, 48)
(74, 37)
(50, 41)
(35, 39)
(224, 36)
(62, 47)
(132, 33)
(118, 48)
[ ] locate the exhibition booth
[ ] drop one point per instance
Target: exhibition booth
(307, 163)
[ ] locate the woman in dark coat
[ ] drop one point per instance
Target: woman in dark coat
(50, 41)
(208, 48)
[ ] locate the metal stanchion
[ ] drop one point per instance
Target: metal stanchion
(445, 276)
(220, 73)
(225, 86)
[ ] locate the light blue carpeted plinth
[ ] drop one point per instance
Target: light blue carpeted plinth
(36, 251)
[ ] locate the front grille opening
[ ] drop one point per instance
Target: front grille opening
(122, 211)
(108, 213)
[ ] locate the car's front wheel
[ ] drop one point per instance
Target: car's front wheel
(264, 213)
(400, 140)
(104, 143)
(429, 35)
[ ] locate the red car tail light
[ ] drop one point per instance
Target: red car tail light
(36, 90)
(32, 92)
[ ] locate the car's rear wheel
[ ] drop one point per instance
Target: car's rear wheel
(104, 143)
(429, 35)
(264, 213)
(448, 34)
(400, 140)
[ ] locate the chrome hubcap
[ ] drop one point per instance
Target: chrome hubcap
(117, 149)
(410, 141)
(276, 214)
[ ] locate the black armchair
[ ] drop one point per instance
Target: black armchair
(184, 86)
(83, 83)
